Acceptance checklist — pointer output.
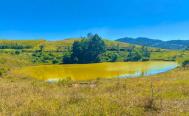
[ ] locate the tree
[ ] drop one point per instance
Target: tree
(67, 58)
(185, 63)
(87, 50)
(77, 52)
(109, 57)
(41, 47)
(118, 48)
(133, 55)
(55, 61)
(96, 46)
(17, 52)
(145, 53)
(90, 35)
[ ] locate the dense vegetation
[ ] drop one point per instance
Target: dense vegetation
(81, 51)
(142, 54)
(88, 50)
(93, 49)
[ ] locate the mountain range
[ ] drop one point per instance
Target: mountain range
(171, 44)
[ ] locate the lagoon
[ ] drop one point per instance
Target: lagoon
(97, 70)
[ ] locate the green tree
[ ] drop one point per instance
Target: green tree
(185, 63)
(145, 53)
(96, 46)
(133, 55)
(109, 57)
(17, 52)
(41, 48)
(87, 50)
(78, 51)
(138, 54)
(67, 58)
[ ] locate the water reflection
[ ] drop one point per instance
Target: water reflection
(150, 71)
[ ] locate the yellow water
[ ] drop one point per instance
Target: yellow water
(94, 71)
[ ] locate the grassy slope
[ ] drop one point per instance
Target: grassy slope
(170, 55)
(53, 45)
(12, 61)
(23, 96)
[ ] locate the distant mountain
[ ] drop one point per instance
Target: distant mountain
(172, 44)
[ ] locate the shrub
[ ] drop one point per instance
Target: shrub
(2, 71)
(67, 58)
(185, 63)
(109, 57)
(65, 82)
(17, 52)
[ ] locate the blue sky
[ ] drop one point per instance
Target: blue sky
(113, 19)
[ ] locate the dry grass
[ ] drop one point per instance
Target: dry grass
(170, 96)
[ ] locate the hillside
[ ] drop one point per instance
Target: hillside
(49, 45)
(59, 45)
(172, 44)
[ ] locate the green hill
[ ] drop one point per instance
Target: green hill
(172, 44)
(60, 45)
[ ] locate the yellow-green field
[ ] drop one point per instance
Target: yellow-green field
(92, 71)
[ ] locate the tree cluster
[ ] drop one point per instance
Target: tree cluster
(136, 54)
(88, 50)
(39, 56)
(15, 46)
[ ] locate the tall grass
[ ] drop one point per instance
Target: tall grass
(164, 94)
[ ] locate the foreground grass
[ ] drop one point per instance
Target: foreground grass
(164, 94)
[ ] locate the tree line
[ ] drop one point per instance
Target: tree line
(15, 46)
(90, 49)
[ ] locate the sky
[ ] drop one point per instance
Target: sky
(112, 19)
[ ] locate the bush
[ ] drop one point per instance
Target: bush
(17, 52)
(65, 82)
(2, 71)
(44, 57)
(138, 54)
(109, 57)
(185, 63)
(55, 61)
